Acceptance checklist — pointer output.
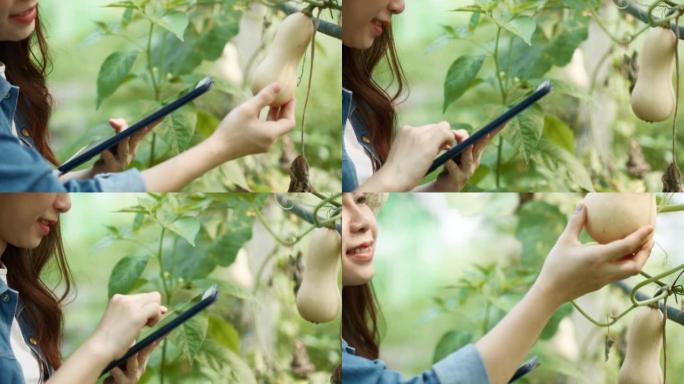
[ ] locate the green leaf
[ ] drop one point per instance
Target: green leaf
(230, 289)
(127, 17)
(539, 224)
(174, 22)
(221, 365)
(450, 342)
(469, 8)
(525, 131)
(564, 88)
(122, 4)
(552, 325)
(563, 164)
(535, 60)
(224, 250)
(559, 133)
(223, 333)
(190, 336)
(474, 21)
(181, 57)
(523, 27)
(206, 123)
(125, 273)
(177, 129)
(461, 75)
(186, 227)
(113, 73)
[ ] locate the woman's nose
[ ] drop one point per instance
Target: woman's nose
(357, 222)
(396, 6)
(62, 202)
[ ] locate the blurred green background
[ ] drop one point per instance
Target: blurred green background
(79, 46)
(466, 259)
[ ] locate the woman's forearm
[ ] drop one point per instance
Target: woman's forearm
(175, 173)
(504, 348)
(84, 366)
(382, 181)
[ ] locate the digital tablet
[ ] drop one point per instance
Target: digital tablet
(165, 326)
(542, 90)
(91, 151)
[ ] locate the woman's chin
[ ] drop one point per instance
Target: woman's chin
(31, 243)
(19, 34)
(357, 276)
(359, 42)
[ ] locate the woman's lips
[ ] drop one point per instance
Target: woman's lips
(26, 17)
(44, 226)
(362, 252)
(376, 27)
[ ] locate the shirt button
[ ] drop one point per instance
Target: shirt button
(365, 139)
(5, 298)
(25, 132)
(33, 340)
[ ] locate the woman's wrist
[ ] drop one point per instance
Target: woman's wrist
(99, 354)
(545, 296)
(219, 151)
(380, 181)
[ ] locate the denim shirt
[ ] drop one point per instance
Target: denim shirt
(23, 169)
(350, 180)
(10, 307)
(464, 366)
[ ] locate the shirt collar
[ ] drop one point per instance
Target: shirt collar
(5, 86)
(346, 348)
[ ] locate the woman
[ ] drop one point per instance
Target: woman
(24, 115)
(30, 312)
(571, 270)
(375, 158)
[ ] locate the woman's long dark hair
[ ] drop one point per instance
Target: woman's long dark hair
(361, 318)
(374, 103)
(42, 307)
(26, 64)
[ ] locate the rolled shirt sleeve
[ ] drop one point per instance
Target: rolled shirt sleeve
(460, 367)
(24, 170)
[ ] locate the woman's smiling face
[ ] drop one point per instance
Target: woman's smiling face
(365, 20)
(17, 19)
(26, 218)
(359, 233)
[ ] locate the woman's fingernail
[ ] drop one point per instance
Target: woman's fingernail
(579, 207)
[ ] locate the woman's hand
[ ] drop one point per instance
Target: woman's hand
(412, 152)
(121, 323)
(456, 173)
(573, 269)
(135, 367)
(119, 160)
(124, 318)
(242, 132)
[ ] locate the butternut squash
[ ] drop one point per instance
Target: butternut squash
(613, 216)
(281, 63)
(318, 298)
(644, 343)
(653, 96)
